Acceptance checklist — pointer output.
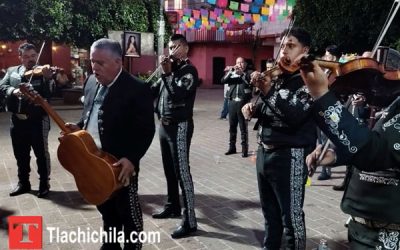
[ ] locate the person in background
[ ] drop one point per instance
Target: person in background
(77, 73)
(225, 110)
(269, 64)
(176, 93)
(331, 54)
(287, 134)
(239, 93)
(357, 106)
(371, 195)
(30, 125)
(62, 81)
(118, 113)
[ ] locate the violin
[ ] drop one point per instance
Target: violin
(284, 66)
(170, 58)
(38, 70)
(365, 75)
(362, 74)
(392, 75)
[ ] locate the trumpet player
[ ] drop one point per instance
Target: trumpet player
(239, 93)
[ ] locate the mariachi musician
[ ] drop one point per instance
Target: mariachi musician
(118, 113)
(239, 93)
(30, 124)
(372, 192)
(287, 135)
(176, 93)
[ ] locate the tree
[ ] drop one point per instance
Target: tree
(78, 22)
(352, 25)
(34, 20)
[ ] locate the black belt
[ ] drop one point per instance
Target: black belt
(236, 99)
(21, 116)
(268, 146)
(278, 146)
(167, 121)
(376, 224)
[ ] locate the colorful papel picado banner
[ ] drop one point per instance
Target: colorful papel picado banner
(225, 14)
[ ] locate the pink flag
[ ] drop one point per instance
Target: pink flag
(222, 3)
(244, 7)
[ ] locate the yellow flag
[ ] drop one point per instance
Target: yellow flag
(308, 183)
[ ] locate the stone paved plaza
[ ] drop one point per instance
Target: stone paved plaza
(227, 202)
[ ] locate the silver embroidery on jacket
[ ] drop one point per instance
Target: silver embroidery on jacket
(379, 179)
(389, 239)
(332, 117)
(392, 122)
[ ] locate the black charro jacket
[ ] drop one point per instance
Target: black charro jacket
(125, 119)
(175, 93)
(373, 191)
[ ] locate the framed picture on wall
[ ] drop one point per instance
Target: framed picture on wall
(131, 44)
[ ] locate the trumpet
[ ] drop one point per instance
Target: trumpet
(234, 69)
(159, 68)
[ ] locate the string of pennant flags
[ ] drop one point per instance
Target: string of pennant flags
(226, 14)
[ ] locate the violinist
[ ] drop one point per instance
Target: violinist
(239, 93)
(30, 124)
(175, 94)
(286, 136)
(371, 195)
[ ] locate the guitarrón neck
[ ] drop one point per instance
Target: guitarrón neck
(57, 119)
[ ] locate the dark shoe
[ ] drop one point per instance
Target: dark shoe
(245, 151)
(323, 176)
(44, 189)
(166, 213)
(231, 151)
(183, 231)
(339, 187)
(21, 189)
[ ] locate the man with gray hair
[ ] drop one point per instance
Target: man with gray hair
(118, 113)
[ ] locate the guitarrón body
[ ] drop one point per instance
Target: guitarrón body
(95, 176)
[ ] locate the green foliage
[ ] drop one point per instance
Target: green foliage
(79, 22)
(34, 19)
(153, 7)
(352, 25)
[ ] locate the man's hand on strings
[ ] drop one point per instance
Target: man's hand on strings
(16, 92)
(314, 77)
(166, 64)
(261, 82)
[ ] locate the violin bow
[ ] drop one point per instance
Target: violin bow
(289, 28)
(388, 22)
(37, 61)
(30, 78)
(160, 67)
